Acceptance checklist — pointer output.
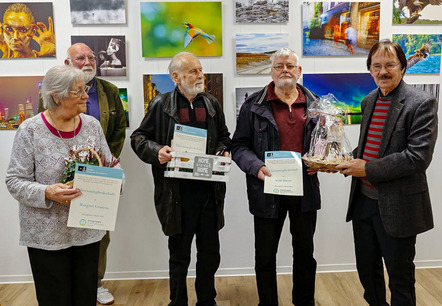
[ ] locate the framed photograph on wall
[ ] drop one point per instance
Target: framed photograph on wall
(253, 51)
(110, 53)
(258, 11)
(27, 30)
(171, 27)
(339, 28)
(417, 12)
(241, 95)
(125, 101)
(156, 84)
(423, 52)
(19, 98)
(349, 88)
(98, 11)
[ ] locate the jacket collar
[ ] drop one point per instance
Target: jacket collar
(393, 114)
(171, 104)
(103, 104)
(262, 108)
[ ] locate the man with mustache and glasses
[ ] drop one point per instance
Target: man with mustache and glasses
(104, 103)
(270, 120)
(389, 198)
(186, 208)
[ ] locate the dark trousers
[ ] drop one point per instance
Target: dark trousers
(267, 235)
(66, 277)
(372, 244)
(198, 217)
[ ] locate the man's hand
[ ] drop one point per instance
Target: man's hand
(61, 193)
(355, 167)
(311, 171)
(263, 172)
(164, 154)
(45, 38)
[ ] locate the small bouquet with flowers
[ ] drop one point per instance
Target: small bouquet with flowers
(88, 156)
(329, 146)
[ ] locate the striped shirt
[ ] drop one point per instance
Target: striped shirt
(373, 142)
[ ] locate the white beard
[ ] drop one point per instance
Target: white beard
(285, 83)
(195, 89)
(88, 75)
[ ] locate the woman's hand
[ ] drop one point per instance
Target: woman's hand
(61, 193)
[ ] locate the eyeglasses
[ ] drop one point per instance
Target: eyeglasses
(82, 58)
(79, 93)
(388, 67)
(279, 67)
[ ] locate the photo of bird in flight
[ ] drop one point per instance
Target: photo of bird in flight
(193, 32)
(415, 7)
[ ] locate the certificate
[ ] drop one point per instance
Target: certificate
(189, 139)
(286, 170)
(97, 207)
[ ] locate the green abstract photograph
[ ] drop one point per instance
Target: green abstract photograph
(171, 27)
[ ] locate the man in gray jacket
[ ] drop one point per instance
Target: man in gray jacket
(186, 208)
(389, 199)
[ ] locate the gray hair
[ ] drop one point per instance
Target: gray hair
(177, 62)
(284, 52)
(59, 80)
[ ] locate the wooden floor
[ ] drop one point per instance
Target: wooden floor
(331, 289)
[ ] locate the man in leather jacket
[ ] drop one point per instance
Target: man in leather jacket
(186, 208)
(270, 120)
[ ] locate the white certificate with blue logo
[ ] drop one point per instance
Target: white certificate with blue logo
(286, 170)
(189, 139)
(97, 207)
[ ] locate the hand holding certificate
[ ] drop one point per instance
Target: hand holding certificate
(286, 170)
(97, 207)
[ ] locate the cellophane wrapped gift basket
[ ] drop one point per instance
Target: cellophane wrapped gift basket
(329, 146)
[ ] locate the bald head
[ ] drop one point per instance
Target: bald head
(82, 57)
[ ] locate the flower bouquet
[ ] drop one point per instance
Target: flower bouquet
(329, 146)
(88, 156)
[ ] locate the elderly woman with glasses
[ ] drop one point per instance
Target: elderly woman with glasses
(64, 260)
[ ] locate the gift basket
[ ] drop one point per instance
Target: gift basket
(88, 156)
(329, 146)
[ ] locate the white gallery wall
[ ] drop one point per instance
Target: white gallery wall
(138, 247)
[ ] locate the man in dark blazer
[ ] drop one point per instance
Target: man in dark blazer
(389, 198)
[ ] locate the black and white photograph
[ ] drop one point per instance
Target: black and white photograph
(98, 11)
(110, 53)
(262, 11)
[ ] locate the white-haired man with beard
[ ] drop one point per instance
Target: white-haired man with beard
(104, 103)
(186, 208)
(274, 119)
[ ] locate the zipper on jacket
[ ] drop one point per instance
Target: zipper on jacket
(290, 113)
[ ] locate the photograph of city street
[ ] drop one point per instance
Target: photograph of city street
(339, 28)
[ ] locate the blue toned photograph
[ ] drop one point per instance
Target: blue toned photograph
(349, 88)
(423, 52)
